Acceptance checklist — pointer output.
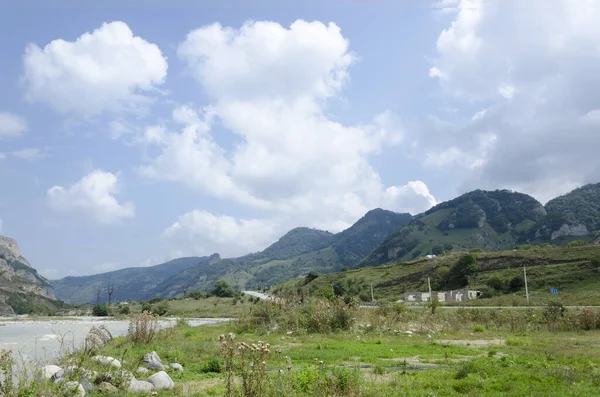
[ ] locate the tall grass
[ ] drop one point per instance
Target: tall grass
(143, 328)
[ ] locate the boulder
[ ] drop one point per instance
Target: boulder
(137, 386)
(176, 367)
(142, 370)
(153, 361)
(107, 387)
(87, 385)
(107, 360)
(58, 376)
(161, 380)
(76, 388)
(48, 371)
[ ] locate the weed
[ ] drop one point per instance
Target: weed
(143, 328)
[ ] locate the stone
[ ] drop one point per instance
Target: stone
(107, 360)
(58, 376)
(161, 380)
(142, 370)
(75, 387)
(107, 387)
(153, 361)
(155, 365)
(87, 385)
(176, 367)
(152, 356)
(48, 371)
(137, 386)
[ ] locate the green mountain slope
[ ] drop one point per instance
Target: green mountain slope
(573, 215)
(298, 252)
(138, 283)
(489, 220)
(573, 271)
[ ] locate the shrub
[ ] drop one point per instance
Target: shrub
(223, 289)
(143, 328)
(156, 299)
(124, 310)
(213, 365)
(100, 310)
(496, 283)
(516, 283)
(146, 307)
(161, 309)
(479, 328)
(311, 276)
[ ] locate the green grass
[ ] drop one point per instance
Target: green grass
(533, 363)
(573, 271)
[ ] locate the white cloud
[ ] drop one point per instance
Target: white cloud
(208, 233)
(108, 69)
(11, 125)
(31, 154)
(94, 197)
(268, 87)
(542, 140)
(1, 225)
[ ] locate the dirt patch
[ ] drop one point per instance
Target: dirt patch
(472, 343)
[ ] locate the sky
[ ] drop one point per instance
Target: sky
(134, 133)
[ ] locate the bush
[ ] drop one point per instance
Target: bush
(311, 276)
(516, 283)
(143, 328)
(124, 310)
(496, 283)
(479, 328)
(100, 310)
(223, 290)
(212, 365)
(146, 307)
(161, 309)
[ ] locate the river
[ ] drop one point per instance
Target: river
(39, 341)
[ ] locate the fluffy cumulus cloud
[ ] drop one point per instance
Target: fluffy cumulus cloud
(11, 125)
(537, 86)
(94, 197)
(107, 69)
(268, 85)
(207, 233)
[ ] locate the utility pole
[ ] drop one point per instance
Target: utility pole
(372, 296)
(526, 289)
(98, 296)
(110, 289)
(429, 284)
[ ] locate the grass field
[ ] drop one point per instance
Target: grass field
(574, 271)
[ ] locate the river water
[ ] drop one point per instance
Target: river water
(39, 341)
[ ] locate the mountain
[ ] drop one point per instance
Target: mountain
(489, 220)
(22, 289)
(137, 283)
(573, 215)
(298, 252)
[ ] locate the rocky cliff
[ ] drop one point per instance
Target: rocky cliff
(22, 289)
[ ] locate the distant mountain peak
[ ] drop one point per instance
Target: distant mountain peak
(214, 258)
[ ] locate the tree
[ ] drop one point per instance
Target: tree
(100, 310)
(441, 277)
(516, 283)
(311, 276)
(437, 250)
(339, 289)
(495, 283)
(223, 290)
(465, 268)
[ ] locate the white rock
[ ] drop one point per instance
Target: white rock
(48, 371)
(142, 370)
(107, 360)
(152, 356)
(75, 387)
(161, 380)
(137, 386)
(176, 367)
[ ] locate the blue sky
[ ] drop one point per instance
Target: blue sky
(133, 134)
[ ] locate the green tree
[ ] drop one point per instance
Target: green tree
(223, 289)
(100, 310)
(496, 283)
(311, 276)
(516, 283)
(437, 250)
(465, 268)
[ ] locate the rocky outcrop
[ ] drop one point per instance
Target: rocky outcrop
(565, 230)
(19, 281)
